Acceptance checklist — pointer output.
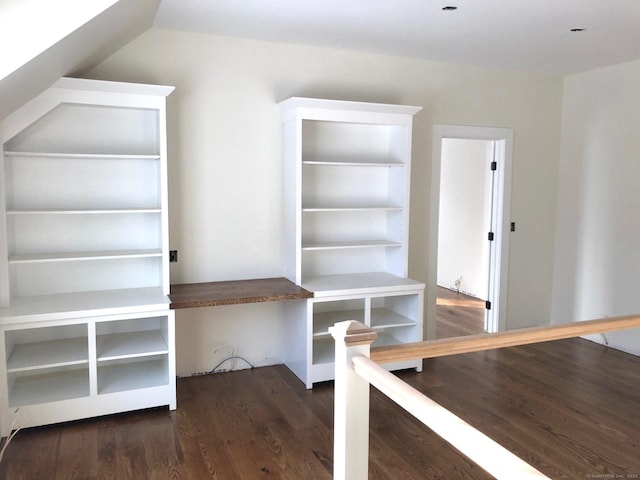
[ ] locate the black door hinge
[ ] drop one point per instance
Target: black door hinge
(491, 236)
(487, 305)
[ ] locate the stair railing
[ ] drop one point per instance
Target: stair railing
(357, 368)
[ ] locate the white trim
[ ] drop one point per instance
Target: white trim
(504, 141)
(5, 292)
(478, 447)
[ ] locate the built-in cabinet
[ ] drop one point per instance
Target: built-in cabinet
(84, 310)
(347, 175)
(77, 368)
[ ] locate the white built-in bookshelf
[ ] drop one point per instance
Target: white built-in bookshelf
(347, 175)
(84, 310)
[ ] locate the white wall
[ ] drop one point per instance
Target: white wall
(41, 40)
(464, 220)
(225, 162)
(597, 259)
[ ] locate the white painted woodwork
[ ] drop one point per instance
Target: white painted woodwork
(355, 372)
(351, 405)
(96, 152)
(347, 175)
(85, 324)
(487, 453)
(50, 362)
(83, 304)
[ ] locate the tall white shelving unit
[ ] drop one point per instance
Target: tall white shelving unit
(347, 174)
(85, 324)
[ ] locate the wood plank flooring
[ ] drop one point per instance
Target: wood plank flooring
(571, 408)
(458, 314)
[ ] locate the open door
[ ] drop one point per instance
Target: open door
(470, 219)
(465, 236)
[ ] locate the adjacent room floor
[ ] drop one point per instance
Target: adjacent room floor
(568, 407)
(458, 314)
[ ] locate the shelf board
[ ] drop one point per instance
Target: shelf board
(131, 345)
(132, 376)
(81, 304)
(324, 351)
(348, 205)
(82, 256)
(380, 318)
(114, 211)
(52, 387)
(96, 156)
(344, 207)
(48, 354)
(354, 163)
(385, 318)
(323, 320)
(352, 244)
(385, 340)
(359, 283)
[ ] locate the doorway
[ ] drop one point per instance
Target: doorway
(467, 183)
(469, 228)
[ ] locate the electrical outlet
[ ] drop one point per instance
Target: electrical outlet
(173, 256)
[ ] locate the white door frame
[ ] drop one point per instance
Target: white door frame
(503, 138)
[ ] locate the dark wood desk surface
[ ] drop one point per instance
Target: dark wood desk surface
(211, 294)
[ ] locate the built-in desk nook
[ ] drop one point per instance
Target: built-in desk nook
(87, 312)
(234, 292)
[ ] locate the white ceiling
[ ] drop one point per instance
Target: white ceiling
(528, 35)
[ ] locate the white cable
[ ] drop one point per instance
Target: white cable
(14, 431)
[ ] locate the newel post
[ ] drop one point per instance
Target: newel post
(351, 402)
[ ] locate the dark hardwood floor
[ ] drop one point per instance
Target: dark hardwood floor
(458, 314)
(571, 408)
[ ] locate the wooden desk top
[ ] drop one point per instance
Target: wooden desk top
(211, 294)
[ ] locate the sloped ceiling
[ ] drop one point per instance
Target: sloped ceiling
(531, 36)
(82, 48)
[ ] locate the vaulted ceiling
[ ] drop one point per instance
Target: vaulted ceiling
(82, 46)
(526, 35)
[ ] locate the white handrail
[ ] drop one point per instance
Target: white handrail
(355, 372)
(488, 454)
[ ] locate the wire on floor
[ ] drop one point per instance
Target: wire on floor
(15, 431)
(233, 357)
